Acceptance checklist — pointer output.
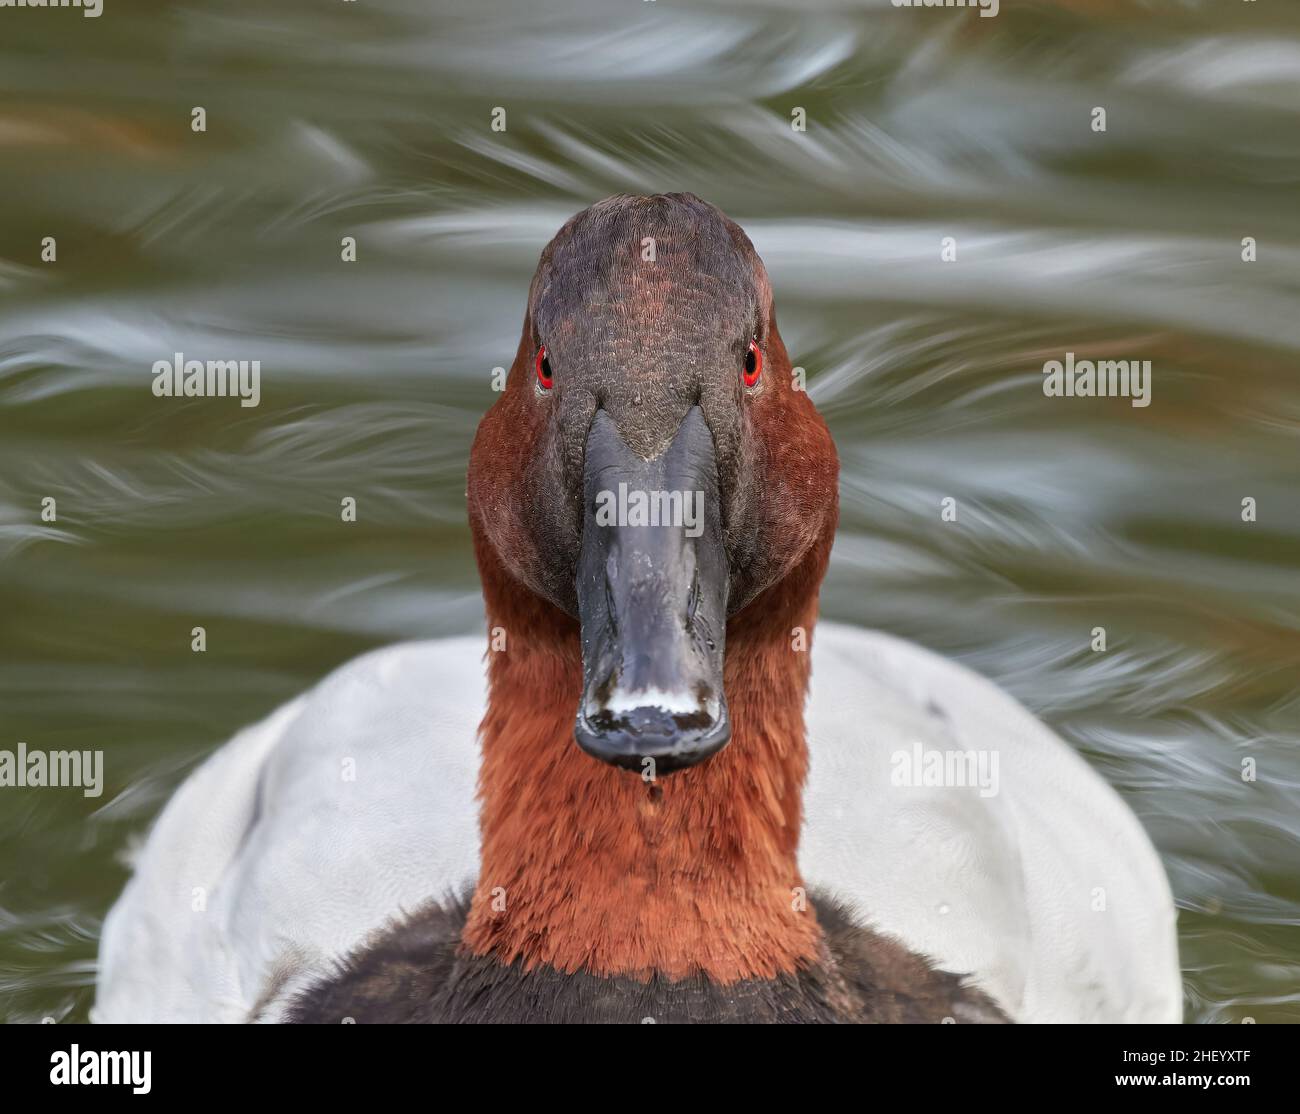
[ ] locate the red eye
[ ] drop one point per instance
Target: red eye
(544, 369)
(753, 365)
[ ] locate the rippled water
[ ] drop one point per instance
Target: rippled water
(372, 120)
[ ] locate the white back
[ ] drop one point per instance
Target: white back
(300, 855)
(1048, 892)
(355, 804)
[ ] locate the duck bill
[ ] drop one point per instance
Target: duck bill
(652, 600)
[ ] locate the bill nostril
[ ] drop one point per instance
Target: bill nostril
(610, 610)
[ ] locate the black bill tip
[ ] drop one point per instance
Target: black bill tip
(671, 740)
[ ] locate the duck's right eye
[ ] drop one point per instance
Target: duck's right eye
(543, 363)
(753, 366)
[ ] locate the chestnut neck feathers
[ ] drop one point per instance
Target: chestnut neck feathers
(588, 867)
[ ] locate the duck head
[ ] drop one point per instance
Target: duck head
(652, 467)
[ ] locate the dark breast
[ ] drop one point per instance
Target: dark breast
(412, 974)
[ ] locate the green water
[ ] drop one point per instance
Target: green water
(372, 120)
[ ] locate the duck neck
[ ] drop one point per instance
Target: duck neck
(588, 867)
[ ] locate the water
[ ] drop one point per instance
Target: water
(372, 120)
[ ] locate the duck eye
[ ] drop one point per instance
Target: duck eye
(753, 364)
(543, 364)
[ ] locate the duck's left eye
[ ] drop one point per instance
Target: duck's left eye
(544, 378)
(753, 367)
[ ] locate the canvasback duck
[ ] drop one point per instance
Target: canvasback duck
(688, 809)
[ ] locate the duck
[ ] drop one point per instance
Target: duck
(654, 787)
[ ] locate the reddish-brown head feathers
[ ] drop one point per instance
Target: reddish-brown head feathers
(585, 866)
